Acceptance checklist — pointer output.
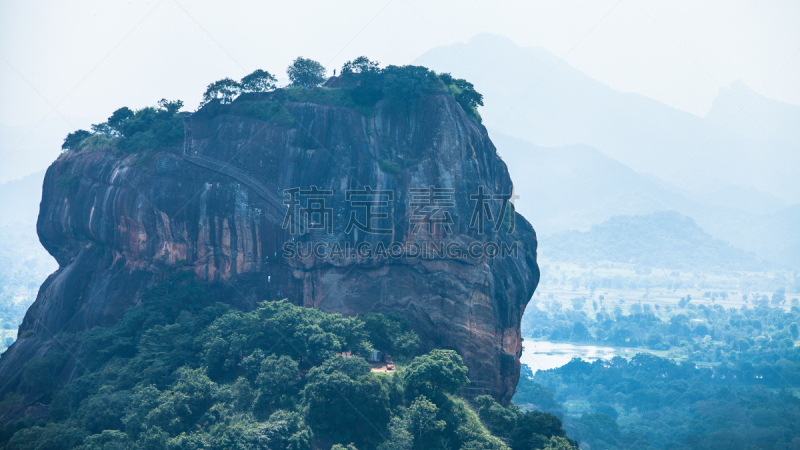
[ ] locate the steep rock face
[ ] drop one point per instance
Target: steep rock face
(217, 207)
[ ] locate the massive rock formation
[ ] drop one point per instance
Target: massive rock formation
(216, 205)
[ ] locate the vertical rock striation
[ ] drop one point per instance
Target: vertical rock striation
(216, 206)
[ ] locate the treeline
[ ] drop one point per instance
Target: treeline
(734, 386)
(182, 372)
(362, 83)
(759, 335)
(651, 402)
(605, 276)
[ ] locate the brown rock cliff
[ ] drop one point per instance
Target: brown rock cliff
(216, 205)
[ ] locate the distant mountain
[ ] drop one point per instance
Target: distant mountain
(762, 118)
(743, 198)
(661, 239)
(574, 187)
(531, 95)
(775, 237)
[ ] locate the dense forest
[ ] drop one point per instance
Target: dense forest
(651, 402)
(700, 333)
(183, 372)
(706, 377)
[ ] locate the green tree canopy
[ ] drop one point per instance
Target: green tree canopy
(346, 402)
(74, 140)
(500, 420)
(362, 64)
(258, 81)
(306, 72)
(119, 116)
(422, 418)
(439, 372)
(170, 106)
(225, 90)
(404, 86)
(464, 93)
(180, 372)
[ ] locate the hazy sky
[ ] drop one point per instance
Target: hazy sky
(88, 58)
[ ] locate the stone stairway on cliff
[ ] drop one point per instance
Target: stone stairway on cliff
(273, 197)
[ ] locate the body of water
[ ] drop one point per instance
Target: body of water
(544, 355)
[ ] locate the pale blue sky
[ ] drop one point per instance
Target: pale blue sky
(88, 58)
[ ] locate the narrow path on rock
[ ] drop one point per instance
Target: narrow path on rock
(273, 198)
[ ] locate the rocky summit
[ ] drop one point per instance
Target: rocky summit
(404, 210)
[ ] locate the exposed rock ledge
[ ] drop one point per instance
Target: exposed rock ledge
(219, 210)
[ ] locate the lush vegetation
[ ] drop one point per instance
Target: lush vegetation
(403, 86)
(714, 332)
(651, 402)
(465, 94)
(129, 131)
(362, 84)
(706, 377)
(268, 109)
(701, 333)
(306, 72)
(182, 372)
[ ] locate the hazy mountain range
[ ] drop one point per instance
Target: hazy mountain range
(580, 152)
(530, 94)
(575, 187)
(662, 239)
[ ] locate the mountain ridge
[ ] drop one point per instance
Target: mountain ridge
(556, 104)
(664, 239)
(575, 187)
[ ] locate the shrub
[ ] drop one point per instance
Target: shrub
(360, 65)
(265, 109)
(390, 167)
(465, 94)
